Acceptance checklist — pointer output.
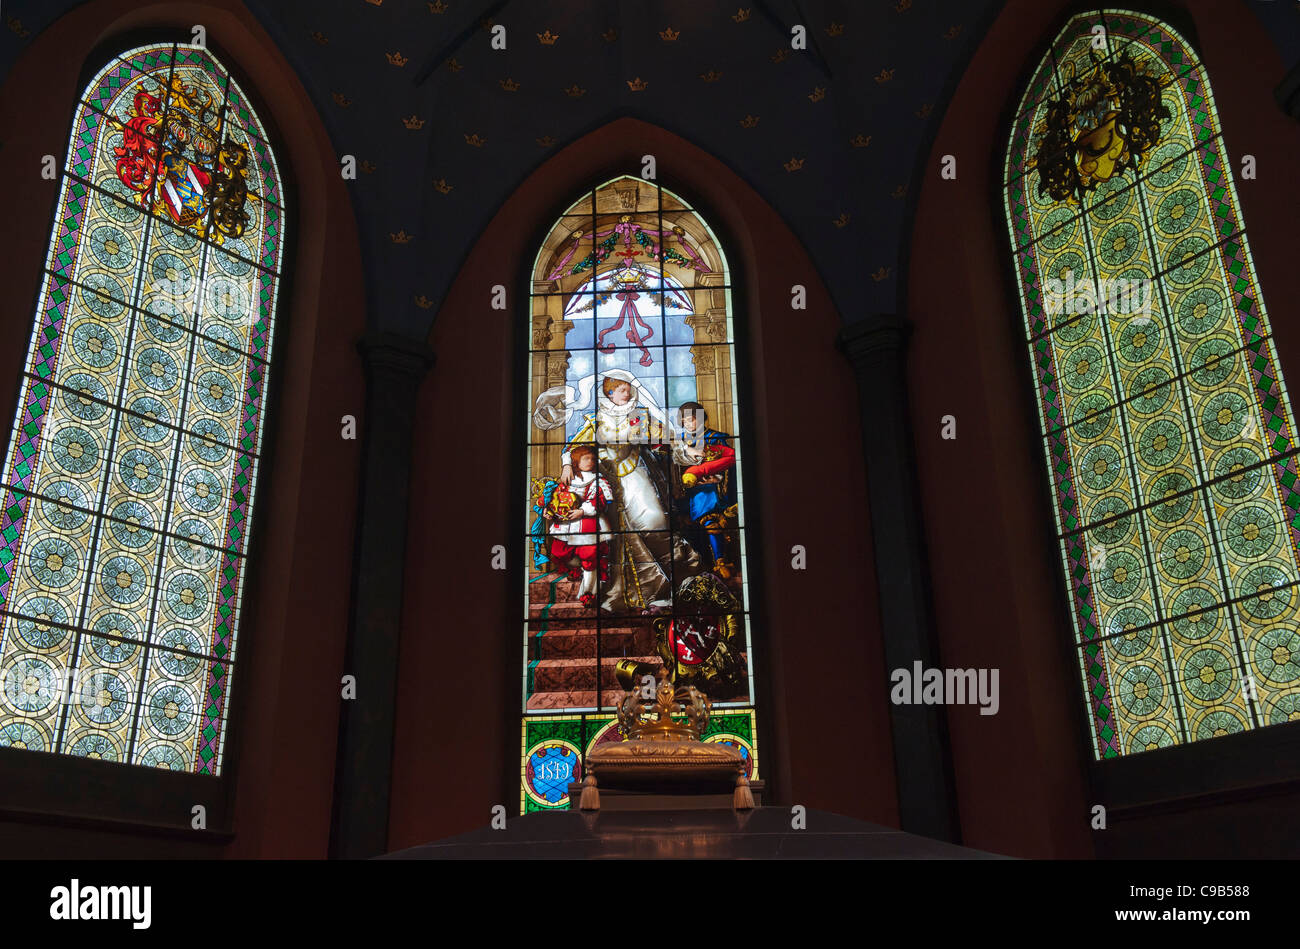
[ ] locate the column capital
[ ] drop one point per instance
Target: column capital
(393, 353)
(1287, 93)
(867, 340)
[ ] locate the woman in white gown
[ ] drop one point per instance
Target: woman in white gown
(643, 554)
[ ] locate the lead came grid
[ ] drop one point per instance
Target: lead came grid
(1176, 511)
(680, 352)
(135, 449)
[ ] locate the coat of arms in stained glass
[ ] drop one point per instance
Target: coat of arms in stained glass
(128, 486)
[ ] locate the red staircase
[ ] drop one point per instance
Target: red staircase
(562, 648)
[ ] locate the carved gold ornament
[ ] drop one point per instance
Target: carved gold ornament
(1104, 122)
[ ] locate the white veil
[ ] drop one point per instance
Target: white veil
(556, 405)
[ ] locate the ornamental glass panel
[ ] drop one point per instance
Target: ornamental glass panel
(634, 533)
(1167, 432)
(128, 485)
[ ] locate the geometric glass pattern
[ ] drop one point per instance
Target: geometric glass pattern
(1167, 431)
(128, 485)
(633, 511)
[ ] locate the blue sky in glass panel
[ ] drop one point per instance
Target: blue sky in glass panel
(671, 377)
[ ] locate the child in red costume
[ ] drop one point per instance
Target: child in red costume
(575, 535)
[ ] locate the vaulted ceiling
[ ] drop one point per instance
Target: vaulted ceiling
(874, 70)
(445, 127)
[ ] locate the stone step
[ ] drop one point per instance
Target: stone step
(580, 642)
(568, 675)
(610, 698)
(569, 609)
(539, 590)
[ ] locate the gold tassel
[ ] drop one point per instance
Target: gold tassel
(742, 800)
(590, 800)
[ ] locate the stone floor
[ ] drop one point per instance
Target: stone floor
(761, 834)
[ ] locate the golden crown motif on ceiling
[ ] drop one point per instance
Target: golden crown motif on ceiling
(548, 38)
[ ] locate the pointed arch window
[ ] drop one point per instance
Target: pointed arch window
(635, 531)
(1167, 431)
(129, 481)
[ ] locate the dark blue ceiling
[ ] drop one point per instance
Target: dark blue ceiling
(884, 67)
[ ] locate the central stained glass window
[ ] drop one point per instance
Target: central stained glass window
(128, 485)
(634, 523)
(1167, 431)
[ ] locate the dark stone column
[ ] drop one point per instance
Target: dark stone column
(395, 366)
(876, 348)
(1287, 93)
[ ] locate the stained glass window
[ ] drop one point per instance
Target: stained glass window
(634, 515)
(128, 486)
(1167, 431)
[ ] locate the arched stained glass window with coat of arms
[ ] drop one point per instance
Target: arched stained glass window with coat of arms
(129, 481)
(1167, 432)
